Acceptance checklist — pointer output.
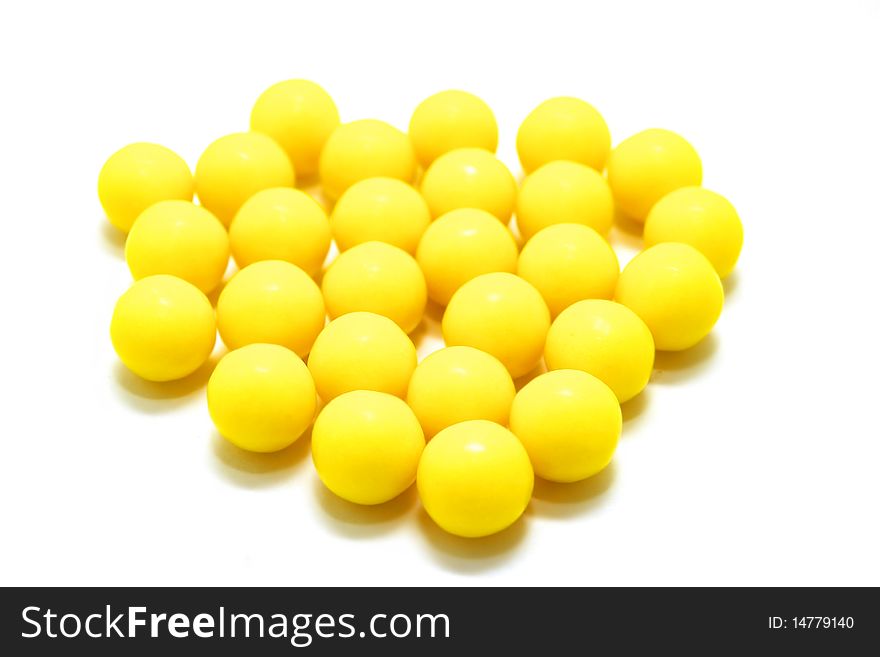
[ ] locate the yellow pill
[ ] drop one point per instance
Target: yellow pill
(705, 220)
(564, 192)
(502, 315)
(461, 245)
(362, 351)
(567, 263)
(449, 120)
(457, 384)
(281, 224)
(365, 149)
(261, 397)
(163, 328)
(381, 210)
(139, 175)
(366, 446)
(181, 239)
(563, 129)
(271, 301)
(299, 115)
(676, 291)
(475, 478)
(378, 278)
(469, 178)
(237, 166)
(647, 166)
(605, 339)
(569, 422)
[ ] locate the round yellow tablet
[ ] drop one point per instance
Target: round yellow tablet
(475, 478)
(281, 224)
(181, 239)
(563, 129)
(675, 290)
(299, 115)
(647, 166)
(564, 192)
(261, 397)
(139, 175)
(366, 446)
(699, 217)
(567, 263)
(237, 166)
(271, 301)
(449, 120)
(365, 149)
(569, 422)
(381, 210)
(457, 384)
(163, 328)
(469, 178)
(502, 315)
(605, 339)
(461, 245)
(362, 351)
(379, 278)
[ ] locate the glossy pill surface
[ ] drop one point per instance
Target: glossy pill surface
(449, 120)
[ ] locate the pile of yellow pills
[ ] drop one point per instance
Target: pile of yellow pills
(237, 166)
(567, 263)
(449, 120)
(469, 178)
(261, 397)
(461, 245)
(676, 291)
(366, 446)
(364, 149)
(163, 328)
(181, 239)
(378, 278)
(380, 210)
(139, 175)
(281, 223)
(569, 422)
(271, 301)
(428, 319)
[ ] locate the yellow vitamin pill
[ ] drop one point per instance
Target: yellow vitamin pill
(366, 446)
(564, 193)
(461, 245)
(567, 263)
(502, 315)
(299, 115)
(699, 217)
(281, 224)
(569, 422)
(139, 175)
(647, 166)
(378, 278)
(181, 239)
(475, 478)
(365, 149)
(163, 328)
(362, 351)
(605, 339)
(271, 301)
(469, 178)
(457, 384)
(237, 166)
(563, 129)
(675, 290)
(382, 210)
(261, 397)
(449, 120)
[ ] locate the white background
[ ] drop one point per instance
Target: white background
(751, 460)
